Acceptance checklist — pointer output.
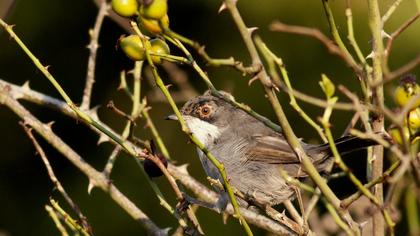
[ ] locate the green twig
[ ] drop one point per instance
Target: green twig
(350, 199)
(351, 37)
(356, 48)
(390, 11)
(270, 56)
(68, 219)
(56, 221)
(209, 60)
(336, 35)
(155, 133)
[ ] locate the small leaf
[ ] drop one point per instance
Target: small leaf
(327, 86)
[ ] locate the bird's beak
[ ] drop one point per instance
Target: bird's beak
(171, 117)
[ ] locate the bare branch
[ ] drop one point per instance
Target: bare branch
(317, 34)
(60, 188)
(93, 48)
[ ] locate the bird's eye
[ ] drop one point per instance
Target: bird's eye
(205, 110)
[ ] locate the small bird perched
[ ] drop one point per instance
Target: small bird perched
(251, 152)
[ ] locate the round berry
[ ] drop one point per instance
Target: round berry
(125, 8)
(153, 26)
(407, 89)
(133, 47)
(414, 118)
(396, 135)
(158, 46)
(154, 10)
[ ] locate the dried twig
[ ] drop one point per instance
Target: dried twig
(402, 70)
(60, 188)
(317, 34)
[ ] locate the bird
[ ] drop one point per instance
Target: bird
(252, 152)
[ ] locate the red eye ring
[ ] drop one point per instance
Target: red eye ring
(205, 110)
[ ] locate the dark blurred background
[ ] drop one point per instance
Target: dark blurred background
(57, 33)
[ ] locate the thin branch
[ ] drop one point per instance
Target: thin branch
(393, 36)
(356, 48)
(398, 32)
(390, 11)
(86, 226)
(250, 70)
(56, 221)
(180, 79)
(270, 56)
(71, 223)
(179, 195)
(411, 65)
(316, 101)
(350, 36)
(350, 199)
(317, 34)
(333, 211)
(293, 212)
(337, 38)
(155, 133)
(93, 48)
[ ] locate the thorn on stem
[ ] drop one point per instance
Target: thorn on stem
(26, 85)
(222, 8)
(168, 86)
(251, 30)
(252, 80)
(50, 124)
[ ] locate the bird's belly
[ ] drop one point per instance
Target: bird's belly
(260, 181)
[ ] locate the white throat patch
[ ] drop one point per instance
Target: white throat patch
(204, 131)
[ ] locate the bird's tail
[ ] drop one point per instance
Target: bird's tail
(350, 143)
(345, 144)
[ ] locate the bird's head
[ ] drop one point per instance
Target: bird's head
(207, 116)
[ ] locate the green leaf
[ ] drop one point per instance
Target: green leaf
(327, 86)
